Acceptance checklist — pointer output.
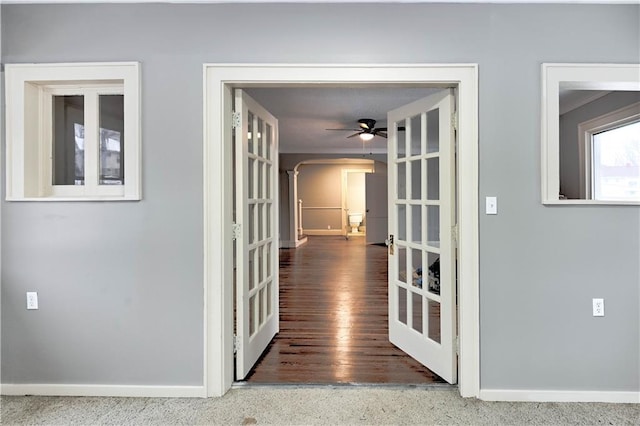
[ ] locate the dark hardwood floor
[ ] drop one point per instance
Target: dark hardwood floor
(333, 319)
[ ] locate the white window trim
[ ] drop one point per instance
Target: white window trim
(586, 130)
(29, 88)
(580, 77)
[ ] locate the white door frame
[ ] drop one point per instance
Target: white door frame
(344, 193)
(219, 81)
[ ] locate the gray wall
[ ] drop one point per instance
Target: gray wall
(121, 283)
(569, 122)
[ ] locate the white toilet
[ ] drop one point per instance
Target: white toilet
(355, 219)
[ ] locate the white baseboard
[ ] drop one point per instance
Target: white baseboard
(558, 396)
(103, 390)
(324, 231)
(293, 244)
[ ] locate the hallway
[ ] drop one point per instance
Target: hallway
(333, 319)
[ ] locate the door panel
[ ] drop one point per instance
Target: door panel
(256, 148)
(422, 281)
(376, 207)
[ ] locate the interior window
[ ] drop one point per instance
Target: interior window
(70, 128)
(616, 163)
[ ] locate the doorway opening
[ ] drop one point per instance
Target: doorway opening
(219, 83)
(334, 320)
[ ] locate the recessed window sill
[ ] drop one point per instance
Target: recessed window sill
(589, 203)
(82, 198)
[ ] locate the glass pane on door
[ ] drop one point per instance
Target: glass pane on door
(402, 181)
(402, 143)
(433, 226)
(416, 312)
(402, 305)
(416, 135)
(433, 308)
(433, 179)
(416, 179)
(433, 131)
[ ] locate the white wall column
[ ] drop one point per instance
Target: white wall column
(294, 218)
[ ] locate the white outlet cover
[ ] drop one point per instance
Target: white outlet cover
(598, 307)
(32, 300)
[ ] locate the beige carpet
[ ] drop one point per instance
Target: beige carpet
(311, 405)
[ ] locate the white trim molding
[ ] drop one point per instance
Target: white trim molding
(219, 81)
(293, 244)
(601, 77)
(103, 390)
(30, 90)
(559, 396)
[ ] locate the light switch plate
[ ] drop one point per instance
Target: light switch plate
(492, 205)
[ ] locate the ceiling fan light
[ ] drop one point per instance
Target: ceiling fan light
(366, 136)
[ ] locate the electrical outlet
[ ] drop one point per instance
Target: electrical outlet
(598, 307)
(32, 300)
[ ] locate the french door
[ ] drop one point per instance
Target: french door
(256, 230)
(422, 271)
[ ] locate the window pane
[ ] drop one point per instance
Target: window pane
(251, 269)
(269, 143)
(260, 139)
(433, 178)
(433, 226)
(416, 224)
(253, 313)
(416, 180)
(402, 141)
(111, 139)
(402, 222)
(416, 135)
(68, 140)
(402, 181)
(402, 305)
(416, 312)
(416, 265)
(433, 273)
(402, 264)
(250, 133)
(616, 164)
(433, 131)
(433, 309)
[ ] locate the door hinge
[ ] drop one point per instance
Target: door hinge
(454, 120)
(236, 231)
(455, 234)
(236, 344)
(236, 120)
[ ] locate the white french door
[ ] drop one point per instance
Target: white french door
(422, 280)
(256, 214)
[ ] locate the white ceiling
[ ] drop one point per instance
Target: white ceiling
(304, 114)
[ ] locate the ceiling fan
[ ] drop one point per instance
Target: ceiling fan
(367, 130)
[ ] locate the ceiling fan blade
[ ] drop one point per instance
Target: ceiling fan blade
(382, 134)
(381, 129)
(355, 134)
